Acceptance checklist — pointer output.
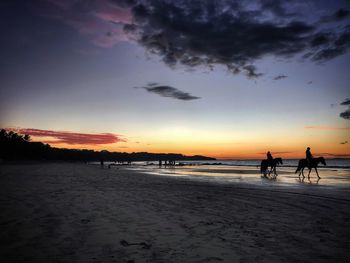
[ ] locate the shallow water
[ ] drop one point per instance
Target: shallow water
(334, 177)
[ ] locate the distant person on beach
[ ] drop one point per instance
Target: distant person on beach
(269, 157)
(308, 155)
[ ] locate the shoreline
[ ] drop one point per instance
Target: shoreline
(69, 212)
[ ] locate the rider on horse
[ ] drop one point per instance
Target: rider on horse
(309, 156)
(269, 157)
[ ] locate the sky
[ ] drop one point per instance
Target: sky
(226, 79)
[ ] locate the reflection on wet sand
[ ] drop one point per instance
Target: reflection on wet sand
(251, 175)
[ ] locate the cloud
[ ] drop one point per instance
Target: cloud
(279, 77)
(199, 33)
(250, 71)
(345, 142)
(341, 14)
(66, 137)
(168, 91)
(338, 15)
(232, 33)
(345, 114)
(326, 128)
(275, 7)
(100, 21)
(345, 102)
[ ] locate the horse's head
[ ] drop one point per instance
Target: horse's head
(279, 160)
(322, 160)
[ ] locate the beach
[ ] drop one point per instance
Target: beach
(71, 212)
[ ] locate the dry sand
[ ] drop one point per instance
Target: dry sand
(63, 212)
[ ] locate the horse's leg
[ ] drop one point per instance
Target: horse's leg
(302, 172)
(317, 173)
(308, 176)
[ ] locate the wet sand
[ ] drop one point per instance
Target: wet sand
(63, 212)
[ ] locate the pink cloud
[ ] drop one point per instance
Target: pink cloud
(115, 15)
(100, 21)
(326, 128)
(71, 137)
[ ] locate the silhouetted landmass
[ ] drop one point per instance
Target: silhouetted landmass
(14, 146)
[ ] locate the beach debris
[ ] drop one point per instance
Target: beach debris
(144, 245)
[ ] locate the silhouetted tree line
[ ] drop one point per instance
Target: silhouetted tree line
(14, 146)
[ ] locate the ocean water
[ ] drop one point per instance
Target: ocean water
(331, 163)
(335, 174)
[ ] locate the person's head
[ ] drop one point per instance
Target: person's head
(308, 148)
(268, 152)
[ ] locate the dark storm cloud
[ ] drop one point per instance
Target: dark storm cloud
(206, 33)
(194, 33)
(279, 77)
(250, 71)
(168, 91)
(345, 102)
(275, 7)
(330, 45)
(320, 39)
(345, 114)
(341, 14)
(231, 33)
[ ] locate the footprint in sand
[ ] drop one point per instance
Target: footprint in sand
(85, 221)
(144, 245)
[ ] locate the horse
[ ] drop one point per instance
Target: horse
(313, 164)
(273, 163)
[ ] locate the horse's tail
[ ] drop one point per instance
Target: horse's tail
(299, 167)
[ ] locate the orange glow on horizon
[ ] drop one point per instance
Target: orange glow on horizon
(216, 144)
(234, 152)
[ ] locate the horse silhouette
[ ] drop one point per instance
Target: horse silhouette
(265, 164)
(313, 164)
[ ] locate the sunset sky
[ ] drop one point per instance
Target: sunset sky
(227, 79)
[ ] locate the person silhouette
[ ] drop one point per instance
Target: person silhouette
(308, 155)
(269, 157)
